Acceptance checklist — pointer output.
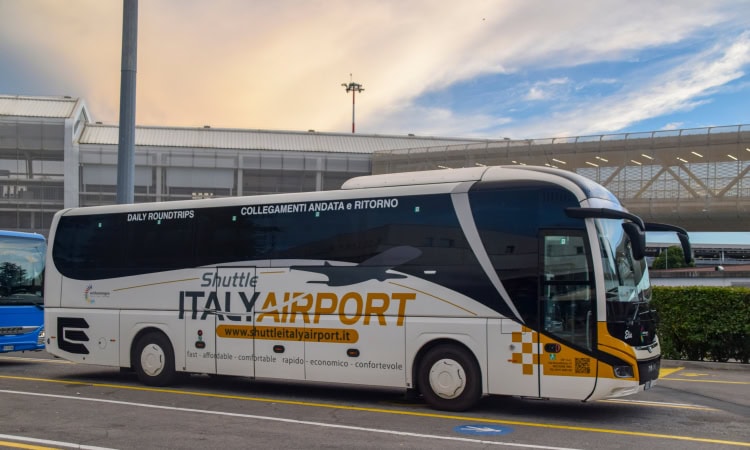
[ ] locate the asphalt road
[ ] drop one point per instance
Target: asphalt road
(50, 403)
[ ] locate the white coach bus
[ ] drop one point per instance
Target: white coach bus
(455, 283)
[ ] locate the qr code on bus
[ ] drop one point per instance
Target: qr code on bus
(582, 365)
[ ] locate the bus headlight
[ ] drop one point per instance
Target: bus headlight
(623, 372)
(40, 338)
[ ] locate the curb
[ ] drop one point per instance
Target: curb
(671, 363)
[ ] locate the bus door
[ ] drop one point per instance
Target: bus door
(567, 316)
(200, 325)
(282, 310)
(235, 300)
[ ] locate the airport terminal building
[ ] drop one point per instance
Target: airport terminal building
(54, 155)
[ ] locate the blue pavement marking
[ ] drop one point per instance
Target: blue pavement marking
(483, 429)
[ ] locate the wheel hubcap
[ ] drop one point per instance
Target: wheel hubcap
(152, 360)
(447, 378)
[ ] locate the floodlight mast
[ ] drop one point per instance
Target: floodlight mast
(353, 88)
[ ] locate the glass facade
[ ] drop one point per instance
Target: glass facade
(698, 178)
(35, 177)
(32, 175)
(168, 174)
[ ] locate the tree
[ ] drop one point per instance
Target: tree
(671, 258)
(10, 275)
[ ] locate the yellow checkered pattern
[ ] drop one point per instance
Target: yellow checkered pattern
(528, 357)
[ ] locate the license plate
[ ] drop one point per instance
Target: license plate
(8, 348)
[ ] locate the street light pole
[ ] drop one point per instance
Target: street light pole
(126, 142)
(353, 88)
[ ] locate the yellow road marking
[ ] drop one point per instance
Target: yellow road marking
(20, 445)
(667, 372)
(708, 381)
(386, 411)
(43, 360)
(664, 373)
(659, 405)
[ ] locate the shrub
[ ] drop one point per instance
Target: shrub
(703, 323)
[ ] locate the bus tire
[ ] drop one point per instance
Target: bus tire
(449, 378)
(153, 360)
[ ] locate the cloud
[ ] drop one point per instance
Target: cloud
(680, 88)
(545, 90)
(280, 65)
(430, 121)
(672, 126)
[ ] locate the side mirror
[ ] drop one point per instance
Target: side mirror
(682, 235)
(686, 248)
(637, 239)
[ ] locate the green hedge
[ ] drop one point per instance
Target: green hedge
(700, 323)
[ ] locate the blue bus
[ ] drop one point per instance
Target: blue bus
(21, 286)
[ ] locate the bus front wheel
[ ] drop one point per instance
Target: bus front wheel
(449, 378)
(153, 360)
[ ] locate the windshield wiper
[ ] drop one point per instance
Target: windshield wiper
(635, 313)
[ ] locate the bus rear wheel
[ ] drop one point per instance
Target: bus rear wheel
(449, 378)
(153, 360)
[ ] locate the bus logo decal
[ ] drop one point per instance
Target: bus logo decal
(86, 295)
(90, 295)
(72, 334)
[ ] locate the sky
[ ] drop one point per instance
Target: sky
(486, 69)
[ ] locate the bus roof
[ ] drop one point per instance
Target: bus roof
(412, 178)
(21, 234)
(589, 188)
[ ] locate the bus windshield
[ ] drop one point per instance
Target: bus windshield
(627, 286)
(21, 270)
